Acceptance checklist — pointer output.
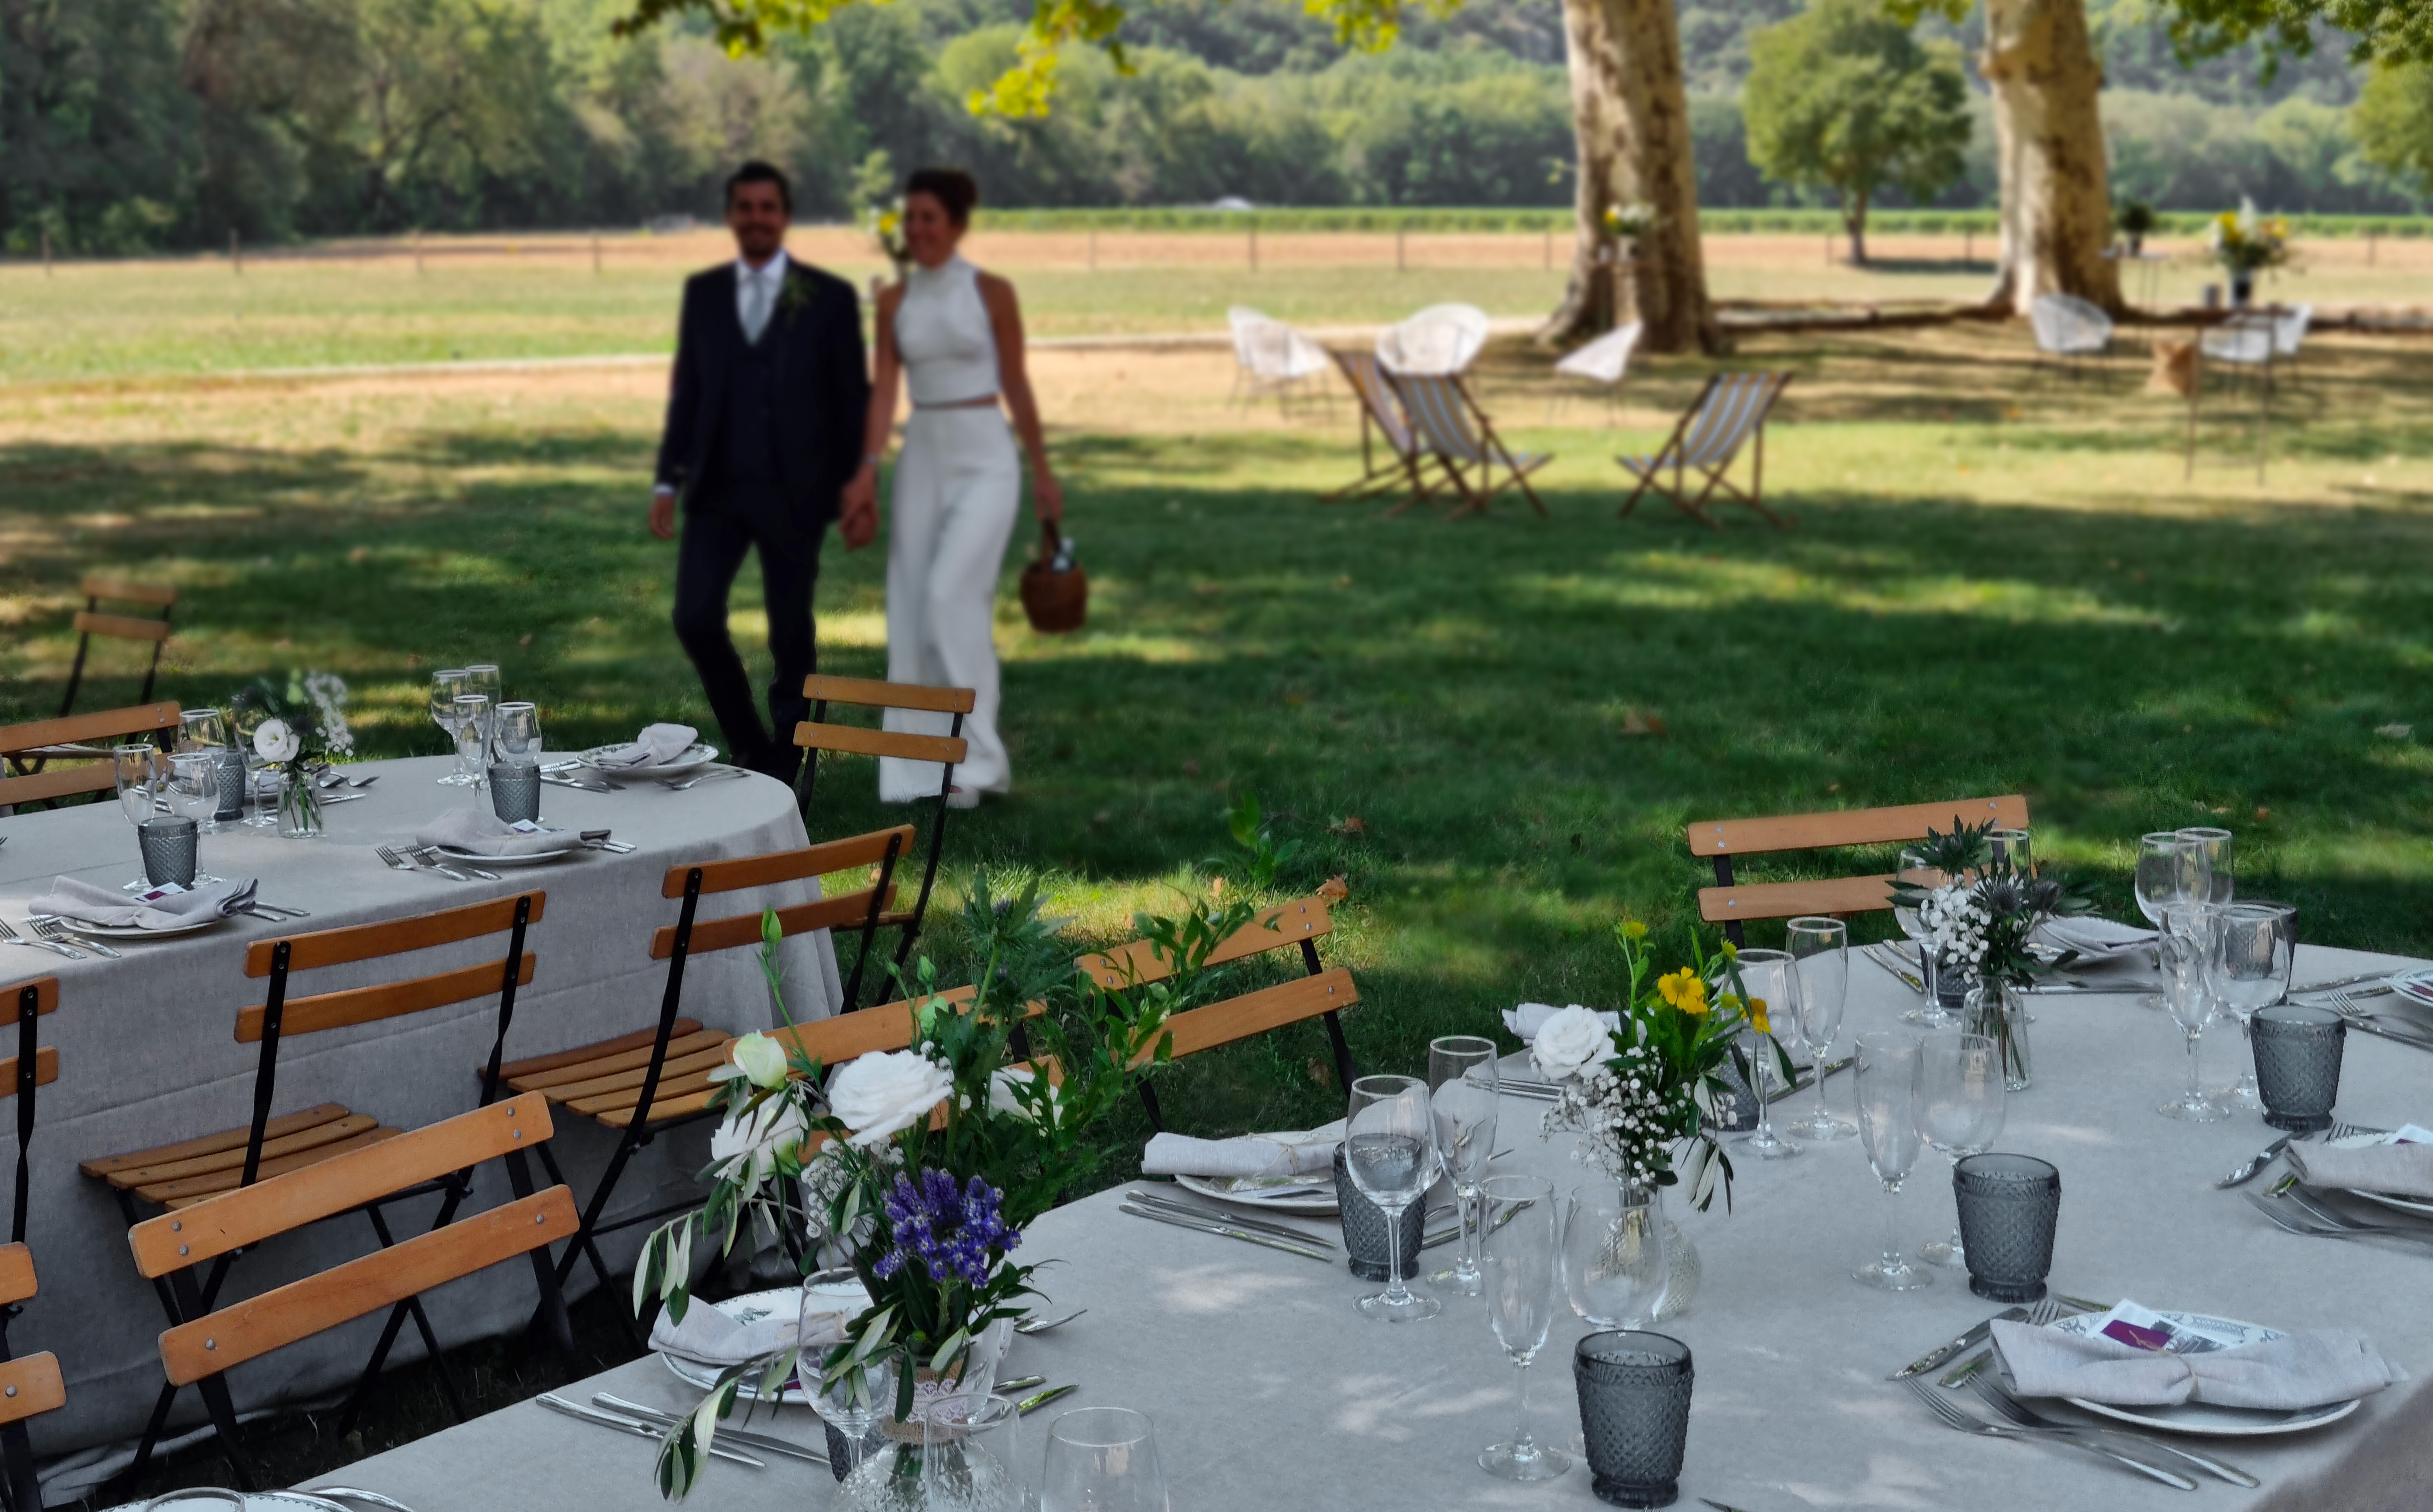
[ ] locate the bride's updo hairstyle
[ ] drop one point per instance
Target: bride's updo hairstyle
(952, 188)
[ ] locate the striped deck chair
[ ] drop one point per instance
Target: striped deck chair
(1730, 409)
(1382, 427)
(1459, 433)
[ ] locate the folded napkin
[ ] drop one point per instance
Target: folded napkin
(2400, 1169)
(1251, 1156)
(711, 1337)
(2093, 938)
(480, 832)
(658, 746)
(2311, 1369)
(1523, 1021)
(160, 908)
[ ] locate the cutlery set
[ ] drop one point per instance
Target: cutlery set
(2291, 1206)
(426, 859)
(2264, 1157)
(2342, 1001)
(637, 1420)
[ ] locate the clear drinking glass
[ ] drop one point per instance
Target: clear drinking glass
(1518, 1257)
(1915, 871)
(2012, 846)
(1960, 1111)
(2255, 943)
(2168, 871)
(472, 727)
(136, 770)
(971, 1454)
(1614, 1265)
(1462, 1083)
(1885, 1082)
(1773, 991)
(1102, 1459)
(1820, 951)
(483, 677)
(2221, 861)
(263, 784)
(201, 729)
(1390, 1148)
(193, 785)
(853, 1403)
(445, 685)
(2187, 941)
(517, 734)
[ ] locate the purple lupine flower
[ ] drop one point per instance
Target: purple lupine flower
(950, 1231)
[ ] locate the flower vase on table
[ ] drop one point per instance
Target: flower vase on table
(1999, 1010)
(298, 723)
(300, 806)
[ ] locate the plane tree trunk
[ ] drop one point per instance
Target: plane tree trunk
(2049, 138)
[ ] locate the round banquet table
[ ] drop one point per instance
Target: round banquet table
(148, 1054)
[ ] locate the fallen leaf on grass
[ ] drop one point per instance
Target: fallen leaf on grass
(1348, 825)
(1634, 723)
(1334, 890)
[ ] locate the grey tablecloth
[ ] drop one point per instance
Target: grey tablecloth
(1270, 1392)
(147, 1052)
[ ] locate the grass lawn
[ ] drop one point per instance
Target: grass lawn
(1999, 580)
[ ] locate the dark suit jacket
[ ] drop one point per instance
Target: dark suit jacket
(823, 386)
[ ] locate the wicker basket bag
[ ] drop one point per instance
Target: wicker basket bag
(1056, 602)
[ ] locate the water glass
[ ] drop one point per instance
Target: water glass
(472, 727)
(1820, 950)
(515, 792)
(2298, 1064)
(2010, 847)
(1389, 1151)
(1773, 989)
(201, 729)
(1915, 871)
(230, 765)
(136, 769)
(193, 785)
(1614, 1263)
(1366, 1236)
(853, 1403)
(167, 844)
(1102, 1459)
(1518, 1257)
(2220, 871)
(2008, 1204)
(2170, 870)
(2255, 943)
(445, 685)
(971, 1454)
(266, 783)
(1462, 1081)
(1960, 1105)
(1886, 1082)
(1634, 1393)
(517, 735)
(2186, 941)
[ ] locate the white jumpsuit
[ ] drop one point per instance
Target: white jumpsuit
(957, 486)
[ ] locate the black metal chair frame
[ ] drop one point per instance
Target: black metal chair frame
(24, 1493)
(84, 642)
(911, 925)
(1344, 1065)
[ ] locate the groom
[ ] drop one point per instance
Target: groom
(764, 440)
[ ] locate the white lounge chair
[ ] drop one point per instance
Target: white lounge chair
(1441, 339)
(2069, 327)
(1729, 411)
(1271, 357)
(1382, 426)
(1450, 424)
(1601, 364)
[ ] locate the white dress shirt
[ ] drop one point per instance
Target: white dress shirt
(757, 291)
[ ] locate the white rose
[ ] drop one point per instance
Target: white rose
(274, 741)
(883, 1091)
(1001, 1097)
(756, 1136)
(1569, 1042)
(761, 1060)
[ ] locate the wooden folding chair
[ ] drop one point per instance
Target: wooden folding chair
(654, 1081)
(27, 1387)
(91, 622)
(1459, 433)
(204, 1342)
(34, 1064)
(27, 747)
(190, 1172)
(1729, 903)
(1730, 410)
(1302, 922)
(904, 703)
(1405, 466)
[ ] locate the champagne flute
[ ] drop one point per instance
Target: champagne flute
(445, 685)
(1389, 1148)
(2220, 871)
(1462, 1098)
(2256, 943)
(1820, 953)
(1916, 872)
(2188, 941)
(1518, 1257)
(1960, 1111)
(472, 727)
(1773, 989)
(1885, 1082)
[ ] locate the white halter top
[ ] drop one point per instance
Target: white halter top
(944, 335)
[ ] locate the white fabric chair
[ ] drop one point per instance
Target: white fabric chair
(2068, 326)
(2248, 340)
(2289, 330)
(1271, 357)
(1440, 341)
(1601, 364)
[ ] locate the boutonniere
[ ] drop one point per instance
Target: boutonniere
(791, 302)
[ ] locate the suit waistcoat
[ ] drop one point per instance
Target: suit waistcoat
(748, 450)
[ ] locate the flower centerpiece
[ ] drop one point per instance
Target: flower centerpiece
(919, 1169)
(2244, 241)
(1629, 224)
(298, 723)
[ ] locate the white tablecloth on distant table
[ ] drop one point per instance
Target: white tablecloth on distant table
(1268, 1392)
(148, 1054)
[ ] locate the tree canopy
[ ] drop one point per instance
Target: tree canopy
(2393, 122)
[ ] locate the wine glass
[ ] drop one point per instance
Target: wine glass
(483, 677)
(2187, 941)
(1102, 1459)
(1462, 1098)
(193, 786)
(517, 734)
(1885, 1082)
(2010, 846)
(472, 726)
(853, 1401)
(1915, 871)
(1517, 1257)
(1773, 989)
(1615, 1269)
(2220, 863)
(201, 729)
(1820, 953)
(2255, 943)
(1959, 1110)
(445, 685)
(1389, 1148)
(2167, 873)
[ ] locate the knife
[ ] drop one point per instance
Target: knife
(1976, 1335)
(1228, 1232)
(1883, 957)
(2374, 1025)
(569, 782)
(725, 1435)
(1807, 1079)
(2358, 980)
(1187, 1210)
(1038, 1400)
(633, 1426)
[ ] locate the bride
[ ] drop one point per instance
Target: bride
(955, 334)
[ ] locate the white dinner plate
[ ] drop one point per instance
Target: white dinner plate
(2405, 1204)
(533, 858)
(1294, 1198)
(128, 931)
(2201, 1418)
(254, 1502)
(695, 757)
(750, 1308)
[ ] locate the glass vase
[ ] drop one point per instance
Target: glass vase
(1682, 1267)
(888, 1478)
(299, 804)
(1999, 1010)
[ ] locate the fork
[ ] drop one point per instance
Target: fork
(2334, 1219)
(1958, 1417)
(2316, 1224)
(390, 855)
(53, 930)
(429, 856)
(10, 937)
(1033, 1325)
(2039, 1316)
(2018, 1412)
(2350, 1009)
(2264, 1157)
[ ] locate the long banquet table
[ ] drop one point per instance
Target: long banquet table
(147, 1052)
(1271, 1393)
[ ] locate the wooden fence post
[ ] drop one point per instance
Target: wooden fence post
(1399, 232)
(1094, 249)
(236, 253)
(2370, 236)
(1550, 249)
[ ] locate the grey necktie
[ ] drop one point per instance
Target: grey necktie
(756, 300)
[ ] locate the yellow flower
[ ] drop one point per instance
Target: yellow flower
(1731, 951)
(1635, 930)
(1683, 989)
(887, 224)
(1757, 1016)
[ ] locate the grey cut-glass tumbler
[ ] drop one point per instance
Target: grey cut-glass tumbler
(2298, 1064)
(2008, 1204)
(1634, 1391)
(1364, 1229)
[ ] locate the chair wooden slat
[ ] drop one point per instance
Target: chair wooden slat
(1789, 900)
(853, 740)
(663, 1110)
(772, 867)
(193, 1189)
(101, 726)
(279, 1128)
(249, 1216)
(16, 1273)
(571, 1073)
(887, 1026)
(57, 782)
(46, 1070)
(96, 585)
(1292, 923)
(30, 1385)
(258, 1325)
(369, 1004)
(1851, 827)
(677, 1084)
(705, 1059)
(541, 1065)
(1238, 1018)
(232, 1159)
(844, 910)
(870, 693)
(391, 937)
(46, 995)
(121, 626)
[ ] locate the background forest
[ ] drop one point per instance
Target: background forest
(135, 124)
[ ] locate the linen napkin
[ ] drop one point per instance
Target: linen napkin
(1525, 1021)
(1250, 1157)
(2092, 938)
(479, 832)
(711, 1337)
(658, 746)
(2311, 1369)
(162, 908)
(2402, 1167)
